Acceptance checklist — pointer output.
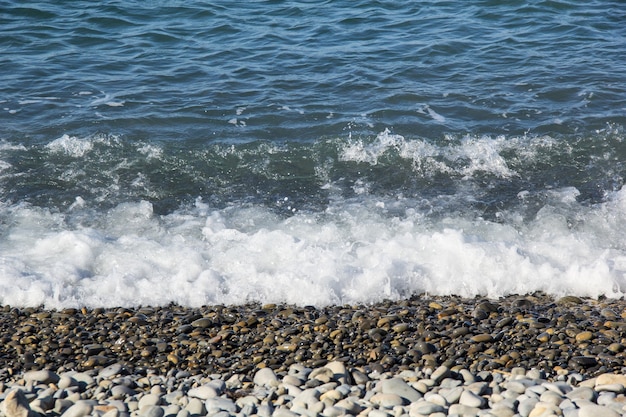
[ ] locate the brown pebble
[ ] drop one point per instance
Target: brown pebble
(485, 337)
(400, 327)
(460, 331)
(504, 322)
(543, 337)
(569, 300)
(584, 336)
(202, 323)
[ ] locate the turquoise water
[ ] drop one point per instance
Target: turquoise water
(229, 149)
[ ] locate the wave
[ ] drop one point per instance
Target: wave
(103, 221)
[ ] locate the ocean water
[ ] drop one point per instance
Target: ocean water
(315, 153)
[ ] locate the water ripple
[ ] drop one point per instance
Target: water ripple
(487, 67)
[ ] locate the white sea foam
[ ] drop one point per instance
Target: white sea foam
(354, 252)
(71, 145)
(79, 146)
(465, 157)
(436, 116)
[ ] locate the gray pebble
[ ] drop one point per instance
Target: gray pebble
(121, 391)
(378, 413)
(44, 376)
(463, 410)
(616, 388)
(307, 397)
(526, 406)
(214, 405)
(451, 395)
(196, 407)
(284, 412)
(386, 400)
(149, 399)
(79, 409)
(16, 404)
(551, 397)
(398, 387)
(471, 399)
(560, 388)
(596, 411)
(203, 392)
(350, 405)
(424, 408)
(266, 378)
(110, 371)
(440, 373)
(436, 398)
(151, 411)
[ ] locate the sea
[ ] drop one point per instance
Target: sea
(310, 152)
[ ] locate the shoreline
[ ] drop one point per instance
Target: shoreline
(531, 331)
(529, 355)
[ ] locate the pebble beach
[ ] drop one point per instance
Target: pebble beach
(531, 355)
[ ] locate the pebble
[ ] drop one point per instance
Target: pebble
(265, 377)
(485, 337)
(43, 376)
(214, 405)
(195, 407)
(424, 408)
(440, 373)
(584, 336)
(609, 379)
(121, 391)
(149, 400)
(386, 400)
(79, 409)
(151, 411)
(463, 410)
(15, 404)
(110, 371)
(596, 411)
(399, 387)
(203, 392)
(526, 356)
(459, 393)
(470, 399)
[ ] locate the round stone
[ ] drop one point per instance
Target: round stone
(202, 323)
(471, 399)
(584, 336)
(386, 400)
(425, 408)
(203, 392)
(585, 361)
(485, 337)
(265, 377)
(593, 410)
(43, 376)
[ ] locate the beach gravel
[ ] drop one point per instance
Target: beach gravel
(523, 356)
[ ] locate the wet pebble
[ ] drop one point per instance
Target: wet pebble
(516, 354)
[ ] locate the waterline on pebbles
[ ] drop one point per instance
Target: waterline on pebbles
(527, 356)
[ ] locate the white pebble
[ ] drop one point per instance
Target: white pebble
(203, 392)
(79, 409)
(470, 399)
(596, 411)
(214, 405)
(266, 378)
(386, 400)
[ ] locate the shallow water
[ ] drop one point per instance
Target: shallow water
(311, 153)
